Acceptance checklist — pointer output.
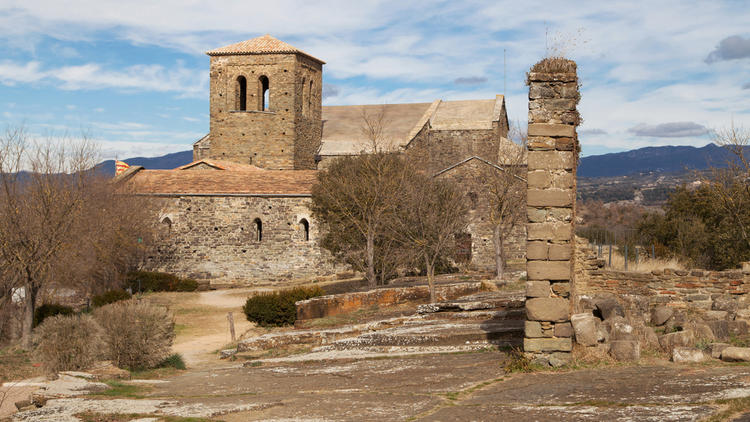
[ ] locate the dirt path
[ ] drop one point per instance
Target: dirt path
(201, 322)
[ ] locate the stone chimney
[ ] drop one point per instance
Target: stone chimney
(551, 194)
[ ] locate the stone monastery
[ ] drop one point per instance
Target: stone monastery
(239, 212)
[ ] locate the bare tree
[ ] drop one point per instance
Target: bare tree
(504, 189)
(431, 214)
(374, 126)
(355, 198)
(59, 222)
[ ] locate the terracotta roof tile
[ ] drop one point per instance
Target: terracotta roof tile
(221, 165)
(260, 45)
(247, 182)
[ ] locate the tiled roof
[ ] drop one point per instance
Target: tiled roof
(260, 45)
(246, 182)
(220, 165)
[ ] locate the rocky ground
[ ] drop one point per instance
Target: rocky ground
(445, 362)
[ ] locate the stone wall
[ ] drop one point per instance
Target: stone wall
(552, 161)
(286, 135)
(695, 290)
(215, 239)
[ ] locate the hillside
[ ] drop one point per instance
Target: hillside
(164, 162)
(666, 159)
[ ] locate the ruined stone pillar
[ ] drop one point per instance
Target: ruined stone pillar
(552, 160)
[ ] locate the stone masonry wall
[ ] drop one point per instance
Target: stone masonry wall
(284, 137)
(215, 239)
(552, 161)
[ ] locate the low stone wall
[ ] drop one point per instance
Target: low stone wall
(680, 289)
(349, 302)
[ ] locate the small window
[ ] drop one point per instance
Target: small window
(167, 224)
(264, 94)
(304, 98)
(241, 95)
(305, 226)
(310, 99)
(258, 230)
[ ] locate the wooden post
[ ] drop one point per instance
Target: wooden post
(231, 326)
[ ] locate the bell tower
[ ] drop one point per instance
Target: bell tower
(266, 100)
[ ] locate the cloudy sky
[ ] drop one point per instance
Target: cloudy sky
(133, 74)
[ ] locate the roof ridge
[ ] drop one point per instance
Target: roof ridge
(265, 44)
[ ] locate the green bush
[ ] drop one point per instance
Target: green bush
(277, 308)
(174, 360)
(110, 296)
(142, 281)
(50, 309)
(68, 342)
(138, 335)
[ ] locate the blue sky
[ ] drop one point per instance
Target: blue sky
(133, 74)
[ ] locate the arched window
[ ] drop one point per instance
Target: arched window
(241, 95)
(264, 94)
(258, 229)
(167, 224)
(304, 98)
(310, 99)
(305, 226)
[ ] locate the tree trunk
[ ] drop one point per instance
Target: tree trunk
(430, 279)
(499, 261)
(28, 316)
(371, 280)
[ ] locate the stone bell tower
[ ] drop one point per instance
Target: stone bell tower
(265, 104)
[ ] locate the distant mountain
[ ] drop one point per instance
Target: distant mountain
(668, 159)
(165, 162)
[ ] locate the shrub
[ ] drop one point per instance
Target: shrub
(138, 335)
(174, 360)
(142, 281)
(50, 309)
(277, 308)
(68, 342)
(110, 296)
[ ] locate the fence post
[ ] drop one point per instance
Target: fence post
(231, 326)
(653, 251)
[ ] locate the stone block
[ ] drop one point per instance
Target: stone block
(536, 215)
(625, 350)
(539, 179)
(746, 267)
(608, 308)
(537, 288)
(660, 315)
(558, 359)
(561, 289)
(562, 180)
(680, 338)
(716, 315)
(549, 198)
(565, 144)
(549, 231)
(547, 344)
(736, 354)
(551, 129)
(563, 329)
(551, 160)
(537, 250)
(560, 252)
(719, 328)
(687, 355)
(533, 329)
(548, 309)
(586, 328)
(552, 77)
(542, 144)
(548, 270)
(717, 348)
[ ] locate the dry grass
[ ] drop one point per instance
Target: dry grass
(554, 65)
(17, 364)
(644, 265)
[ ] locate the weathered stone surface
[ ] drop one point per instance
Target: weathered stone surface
(717, 348)
(533, 329)
(542, 129)
(716, 315)
(537, 250)
(547, 344)
(736, 354)
(619, 329)
(537, 288)
(702, 331)
(687, 355)
(608, 308)
(548, 270)
(625, 350)
(586, 328)
(560, 252)
(725, 303)
(680, 338)
(549, 231)
(660, 315)
(549, 198)
(719, 329)
(559, 359)
(551, 160)
(547, 309)
(563, 329)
